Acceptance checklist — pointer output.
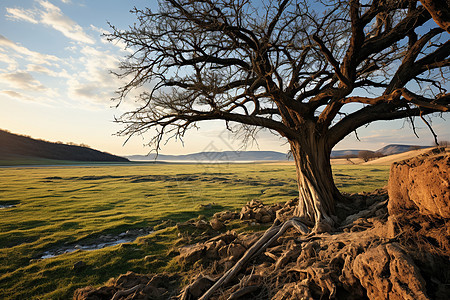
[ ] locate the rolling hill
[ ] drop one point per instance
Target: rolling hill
(241, 156)
(396, 148)
(13, 146)
(214, 156)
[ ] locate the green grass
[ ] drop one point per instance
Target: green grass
(65, 205)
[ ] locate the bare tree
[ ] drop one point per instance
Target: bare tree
(312, 72)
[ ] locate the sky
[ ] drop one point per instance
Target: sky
(55, 84)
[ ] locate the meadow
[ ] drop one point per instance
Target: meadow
(47, 208)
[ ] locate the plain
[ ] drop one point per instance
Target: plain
(46, 208)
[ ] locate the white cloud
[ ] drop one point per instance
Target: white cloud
(41, 69)
(17, 95)
(21, 14)
(54, 17)
(32, 56)
(22, 80)
(85, 67)
(93, 80)
(8, 60)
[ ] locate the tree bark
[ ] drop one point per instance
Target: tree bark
(317, 191)
(439, 11)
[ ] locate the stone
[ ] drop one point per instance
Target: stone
(236, 251)
(192, 253)
(216, 224)
(266, 219)
(201, 224)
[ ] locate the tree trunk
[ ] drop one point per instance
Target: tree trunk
(317, 191)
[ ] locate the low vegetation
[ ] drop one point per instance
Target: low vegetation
(55, 207)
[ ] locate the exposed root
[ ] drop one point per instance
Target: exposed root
(243, 291)
(271, 235)
(119, 294)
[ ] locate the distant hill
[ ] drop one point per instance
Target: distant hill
(257, 155)
(13, 146)
(344, 153)
(215, 156)
(396, 148)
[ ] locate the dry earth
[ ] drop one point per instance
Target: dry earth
(383, 249)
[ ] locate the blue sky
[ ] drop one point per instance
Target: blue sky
(55, 83)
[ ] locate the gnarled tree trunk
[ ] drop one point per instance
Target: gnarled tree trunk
(317, 191)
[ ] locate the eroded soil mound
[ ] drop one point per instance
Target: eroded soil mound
(375, 253)
(421, 183)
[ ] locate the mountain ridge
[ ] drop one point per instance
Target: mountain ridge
(260, 155)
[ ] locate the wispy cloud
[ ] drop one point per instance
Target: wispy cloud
(54, 17)
(8, 60)
(14, 94)
(21, 15)
(22, 80)
(83, 73)
(43, 70)
(32, 56)
(94, 81)
(51, 15)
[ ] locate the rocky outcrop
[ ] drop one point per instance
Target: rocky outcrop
(421, 183)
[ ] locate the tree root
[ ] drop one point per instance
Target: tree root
(243, 291)
(119, 294)
(271, 235)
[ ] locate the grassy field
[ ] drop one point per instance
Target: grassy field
(58, 206)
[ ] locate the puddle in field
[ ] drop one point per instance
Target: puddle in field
(103, 241)
(2, 206)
